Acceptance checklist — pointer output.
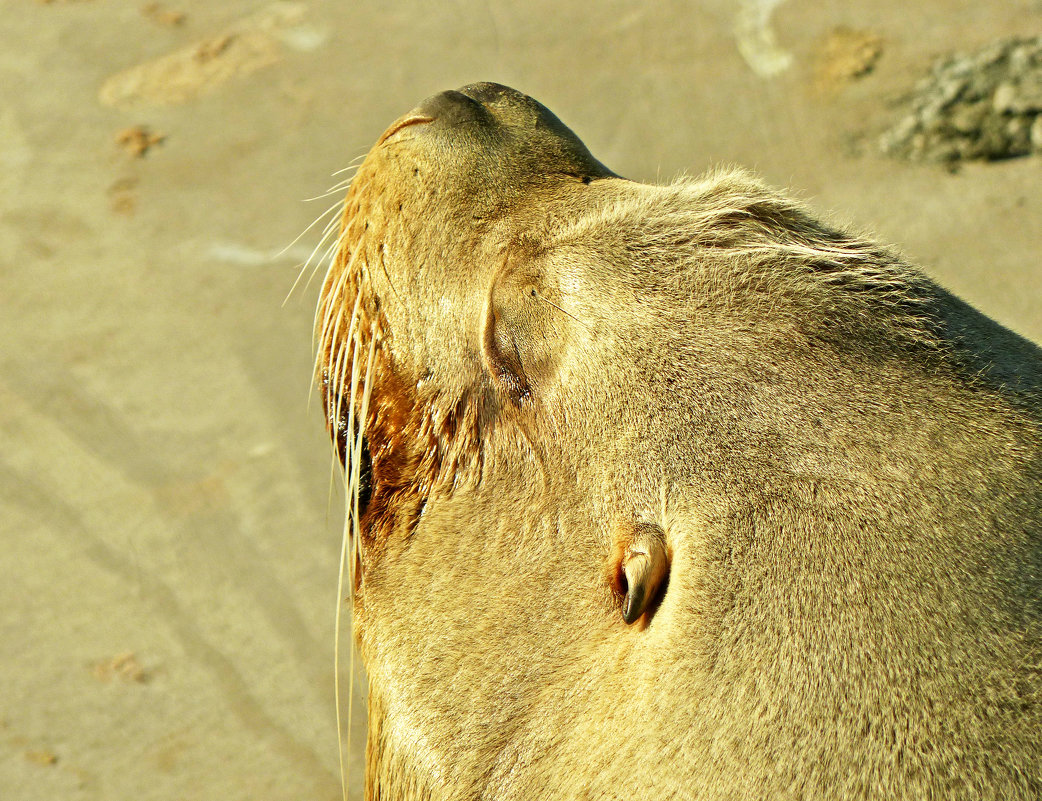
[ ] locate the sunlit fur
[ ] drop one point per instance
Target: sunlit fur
(844, 457)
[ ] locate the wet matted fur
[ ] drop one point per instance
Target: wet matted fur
(551, 385)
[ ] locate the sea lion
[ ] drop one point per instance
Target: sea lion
(670, 491)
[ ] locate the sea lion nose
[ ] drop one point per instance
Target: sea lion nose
(452, 108)
(443, 110)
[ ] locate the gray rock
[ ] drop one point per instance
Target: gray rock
(985, 105)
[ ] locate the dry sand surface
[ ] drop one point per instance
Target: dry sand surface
(169, 537)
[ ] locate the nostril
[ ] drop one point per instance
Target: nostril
(452, 107)
(405, 122)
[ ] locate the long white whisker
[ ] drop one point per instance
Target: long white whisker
(336, 657)
(334, 292)
(342, 184)
(352, 483)
(351, 165)
(350, 530)
(331, 355)
(333, 378)
(351, 328)
(332, 297)
(333, 190)
(331, 226)
(363, 416)
(328, 256)
(326, 345)
(335, 381)
(351, 678)
(335, 187)
(314, 222)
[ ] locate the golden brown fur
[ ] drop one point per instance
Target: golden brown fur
(844, 459)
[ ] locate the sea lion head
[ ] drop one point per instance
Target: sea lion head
(606, 440)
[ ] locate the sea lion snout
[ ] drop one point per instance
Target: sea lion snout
(487, 103)
(452, 108)
(469, 105)
(513, 137)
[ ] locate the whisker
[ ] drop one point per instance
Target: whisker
(310, 226)
(367, 393)
(343, 184)
(334, 460)
(352, 468)
(338, 186)
(350, 458)
(351, 164)
(326, 345)
(336, 327)
(329, 298)
(327, 232)
(580, 322)
(328, 256)
(350, 691)
(335, 381)
(350, 531)
(331, 302)
(354, 314)
(329, 320)
(353, 514)
(336, 662)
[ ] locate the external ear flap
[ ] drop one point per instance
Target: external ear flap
(519, 333)
(501, 351)
(643, 569)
